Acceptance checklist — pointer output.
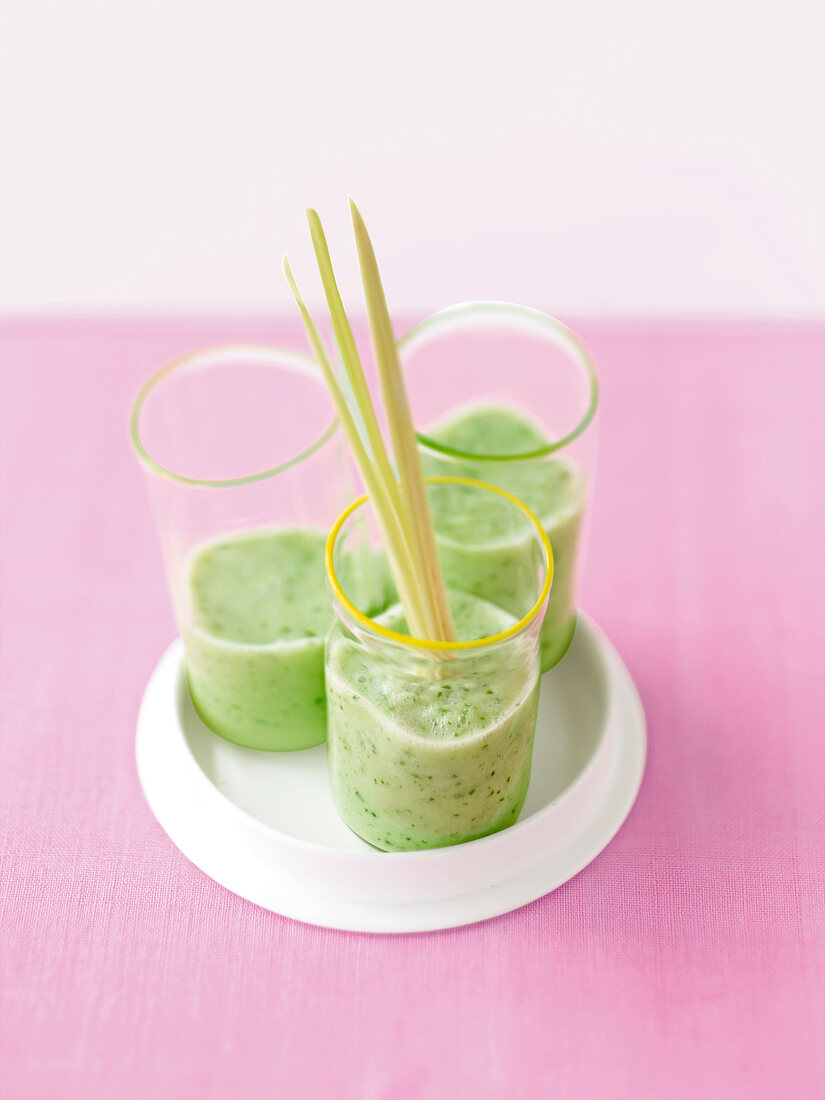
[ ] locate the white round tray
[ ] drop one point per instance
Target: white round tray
(264, 826)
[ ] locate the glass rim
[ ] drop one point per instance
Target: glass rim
(432, 644)
(509, 310)
(292, 360)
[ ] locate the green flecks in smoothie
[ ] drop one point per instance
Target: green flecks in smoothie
(265, 586)
(488, 430)
(481, 545)
(258, 614)
(548, 485)
(423, 768)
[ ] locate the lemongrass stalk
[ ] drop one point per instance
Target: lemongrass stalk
(398, 555)
(416, 516)
(349, 352)
(355, 373)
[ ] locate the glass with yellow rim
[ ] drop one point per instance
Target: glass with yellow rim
(429, 742)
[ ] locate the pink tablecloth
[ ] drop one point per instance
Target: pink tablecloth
(685, 962)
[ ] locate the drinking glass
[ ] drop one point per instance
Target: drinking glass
(430, 742)
(246, 470)
(509, 395)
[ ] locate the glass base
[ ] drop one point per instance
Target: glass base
(556, 644)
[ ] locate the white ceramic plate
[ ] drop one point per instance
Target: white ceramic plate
(263, 824)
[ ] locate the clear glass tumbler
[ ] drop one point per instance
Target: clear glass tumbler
(509, 395)
(430, 743)
(246, 470)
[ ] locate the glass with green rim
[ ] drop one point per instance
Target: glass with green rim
(246, 470)
(509, 394)
(430, 743)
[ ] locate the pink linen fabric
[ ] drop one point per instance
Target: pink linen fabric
(687, 961)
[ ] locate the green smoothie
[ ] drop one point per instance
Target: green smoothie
(552, 487)
(435, 757)
(258, 614)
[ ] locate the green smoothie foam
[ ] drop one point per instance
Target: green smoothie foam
(258, 614)
(432, 760)
(482, 556)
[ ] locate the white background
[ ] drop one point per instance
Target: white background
(589, 157)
